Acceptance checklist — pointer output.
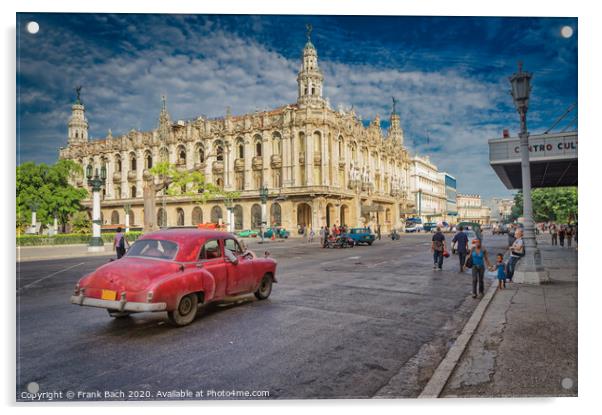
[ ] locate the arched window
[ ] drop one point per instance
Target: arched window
(161, 218)
(133, 192)
(219, 182)
(317, 142)
(181, 155)
(237, 212)
(258, 146)
(197, 215)
(76, 135)
(276, 144)
(276, 215)
(240, 149)
(132, 161)
(148, 160)
(180, 215)
(301, 142)
(114, 217)
(256, 216)
(132, 218)
(277, 182)
(200, 153)
(216, 214)
(117, 192)
(219, 152)
(341, 147)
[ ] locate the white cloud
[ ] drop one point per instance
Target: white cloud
(213, 70)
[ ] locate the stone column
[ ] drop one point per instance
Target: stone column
(125, 168)
(229, 158)
(248, 161)
(139, 172)
(309, 156)
(286, 159)
(266, 141)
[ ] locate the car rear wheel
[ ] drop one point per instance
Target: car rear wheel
(119, 314)
(265, 288)
(186, 311)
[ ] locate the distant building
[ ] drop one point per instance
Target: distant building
(321, 166)
(451, 195)
(501, 209)
(471, 209)
(427, 186)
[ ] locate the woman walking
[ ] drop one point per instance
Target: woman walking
(478, 257)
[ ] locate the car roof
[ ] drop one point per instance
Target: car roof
(188, 239)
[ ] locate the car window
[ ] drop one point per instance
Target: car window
(233, 246)
(210, 250)
(153, 248)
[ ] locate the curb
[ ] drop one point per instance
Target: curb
(437, 382)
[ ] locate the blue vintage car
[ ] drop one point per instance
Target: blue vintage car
(361, 236)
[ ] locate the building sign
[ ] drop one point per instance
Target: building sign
(549, 146)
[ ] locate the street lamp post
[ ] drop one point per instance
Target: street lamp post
(229, 202)
(96, 182)
(263, 195)
(127, 208)
(34, 208)
(530, 268)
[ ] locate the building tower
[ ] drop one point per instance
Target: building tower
(164, 120)
(78, 125)
(395, 130)
(310, 78)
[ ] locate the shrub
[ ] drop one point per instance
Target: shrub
(69, 238)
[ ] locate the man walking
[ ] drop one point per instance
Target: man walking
(438, 246)
(461, 241)
(561, 234)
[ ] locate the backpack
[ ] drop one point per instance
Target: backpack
(121, 243)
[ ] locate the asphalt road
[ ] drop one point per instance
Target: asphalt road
(341, 323)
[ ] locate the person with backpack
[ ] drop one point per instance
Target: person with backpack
(438, 248)
(120, 243)
(477, 259)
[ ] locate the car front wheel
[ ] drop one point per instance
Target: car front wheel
(186, 311)
(265, 288)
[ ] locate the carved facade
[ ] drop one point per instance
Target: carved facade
(321, 166)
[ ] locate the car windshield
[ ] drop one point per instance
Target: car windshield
(153, 248)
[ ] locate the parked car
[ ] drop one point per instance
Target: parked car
(414, 227)
(248, 233)
(280, 233)
(429, 227)
(175, 271)
(361, 236)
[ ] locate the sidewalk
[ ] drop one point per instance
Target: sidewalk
(38, 253)
(526, 342)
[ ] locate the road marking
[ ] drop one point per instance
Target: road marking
(51, 275)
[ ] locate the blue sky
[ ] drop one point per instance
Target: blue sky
(448, 73)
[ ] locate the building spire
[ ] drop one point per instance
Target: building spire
(310, 78)
(77, 131)
(164, 122)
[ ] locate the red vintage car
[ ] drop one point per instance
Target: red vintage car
(175, 271)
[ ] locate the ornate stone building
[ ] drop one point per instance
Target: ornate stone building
(471, 209)
(321, 166)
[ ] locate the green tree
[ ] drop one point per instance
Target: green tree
(177, 182)
(80, 223)
(48, 188)
(558, 204)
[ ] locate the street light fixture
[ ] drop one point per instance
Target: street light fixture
(530, 268)
(96, 182)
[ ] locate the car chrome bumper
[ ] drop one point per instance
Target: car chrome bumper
(117, 305)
